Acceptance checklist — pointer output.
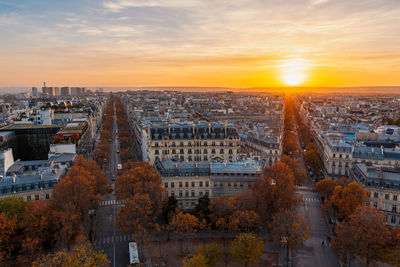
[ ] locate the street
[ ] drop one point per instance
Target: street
(107, 237)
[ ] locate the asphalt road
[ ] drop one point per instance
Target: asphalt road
(313, 253)
(107, 237)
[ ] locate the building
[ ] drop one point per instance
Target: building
(383, 186)
(76, 91)
(34, 180)
(189, 181)
(65, 91)
(48, 91)
(191, 142)
(34, 92)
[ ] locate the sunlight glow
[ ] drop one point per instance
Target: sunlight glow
(294, 70)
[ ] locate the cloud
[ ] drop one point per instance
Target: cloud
(116, 6)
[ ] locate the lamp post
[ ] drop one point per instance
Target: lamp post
(284, 241)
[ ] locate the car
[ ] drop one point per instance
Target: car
(117, 151)
(119, 166)
(113, 178)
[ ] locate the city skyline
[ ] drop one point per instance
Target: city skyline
(123, 43)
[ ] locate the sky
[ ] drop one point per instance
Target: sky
(230, 43)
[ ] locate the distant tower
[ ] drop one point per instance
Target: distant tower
(44, 84)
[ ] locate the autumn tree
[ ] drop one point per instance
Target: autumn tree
(346, 199)
(220, 207)
(244, 200)
(290, 228)
(183, 224)
(312, 158)
(392, 253)
(170, 207)
(81, 255)
(137, 218)
(274, 191)
(296, 168)
(10, 239)
(325, 187)
(202, 209)
(141, 179)
(364, 234)
(245, 221)
(196, 260)
(13, 207)
(126, 155)
(247, 248)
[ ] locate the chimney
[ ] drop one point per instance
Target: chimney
(14, 178)
(41, 175)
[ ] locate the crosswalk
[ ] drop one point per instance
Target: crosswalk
(303, 187)
(111, 202)
(111, 239)
(312, 199)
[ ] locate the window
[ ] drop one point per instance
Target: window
(28, 198)
(47, 196)
(36, 197)
(180, 193)
(200, 193)
(221, 151)
(201, 184)
(193, 193)
(186, 193)
(172, 184)
(395, 197)
(375, 204)
(386, 196)
(394, 208)
(166, 185)
(207, 192)
(172, 193)
(207, 184)
(186, 184)
(213, 151)
(376, 195)
(205, 151)
(180, 184)
(393, 220)
(235, 184)
(157, 152)
(193, 184)
(229, 184)
(221, 143)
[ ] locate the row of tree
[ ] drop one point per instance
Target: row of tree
(125, 138)
(103, 149)
(30, 230)
(362, 231)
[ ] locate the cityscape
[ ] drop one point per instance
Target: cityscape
(200, 134)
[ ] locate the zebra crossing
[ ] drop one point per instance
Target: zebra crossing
(304, 188)
(111, 202)
(111, 239)
(312, 200)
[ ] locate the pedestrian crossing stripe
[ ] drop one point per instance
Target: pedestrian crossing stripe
(303, 187)
(312, 199)
(112, 202)
(111, 240)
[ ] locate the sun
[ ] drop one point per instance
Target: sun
(294, 70)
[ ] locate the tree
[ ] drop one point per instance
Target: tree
(126, 155)
(364, 234)
(40, 229)
(244, 200)
(274, 191)
(221, 207)
(325, 187)
(105, 134)
(245, 221)
(141, 179)
(392, 253)
(183, 224)
(10, 239)
(291, 229)
(346, 199)
(136, 218)
(81, 255)
(202, 211)
(211, 252)
(247, 248)
(196, 260)
(13, 207)
(295, 166)
(170, 207)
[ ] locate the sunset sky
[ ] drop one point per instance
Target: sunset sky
(232, 43)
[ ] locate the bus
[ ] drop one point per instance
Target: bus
(133, 254)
